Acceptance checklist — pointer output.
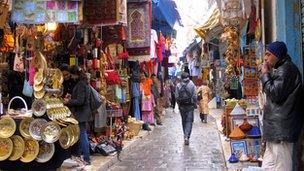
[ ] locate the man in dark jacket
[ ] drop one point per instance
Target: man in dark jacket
(282, 121)
(186, 98)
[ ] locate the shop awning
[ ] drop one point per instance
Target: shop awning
(211, 23)
(165, 15)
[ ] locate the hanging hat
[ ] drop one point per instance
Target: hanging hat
(237, 134)
(254, 132)
(233, 158)
(237, 110)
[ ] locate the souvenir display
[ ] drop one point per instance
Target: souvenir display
(35, 128)
(39, 107)
(31, 150)
(18, 149)
(50, 132)
(46, 152)
(24, 127)
(7, 127)
(53, 103)
(6, 148)
(237, 134)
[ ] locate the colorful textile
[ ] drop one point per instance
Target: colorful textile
(160, 47)
(139, 30)
(42, 11)
(154, 42)
(115, 13)
(146, 86)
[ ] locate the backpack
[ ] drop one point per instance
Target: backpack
(184, 96)
(95, 99)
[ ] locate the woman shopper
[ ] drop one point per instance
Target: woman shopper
(79, 102)
(204, 94)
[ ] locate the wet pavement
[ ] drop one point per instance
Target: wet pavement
(164, 148)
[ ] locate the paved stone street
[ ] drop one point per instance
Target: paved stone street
(164, 148)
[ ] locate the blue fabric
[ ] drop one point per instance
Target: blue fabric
(136, 108)
(277, 48)
(135, 89)
(84, 146)
(187, 114)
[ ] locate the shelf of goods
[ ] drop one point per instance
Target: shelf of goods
(37, 139)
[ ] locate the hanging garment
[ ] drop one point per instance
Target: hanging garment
(154, 42)
(147, 109)
(160, 47)
(136, 108)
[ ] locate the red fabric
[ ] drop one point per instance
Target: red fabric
(159, 47)
(112, 77)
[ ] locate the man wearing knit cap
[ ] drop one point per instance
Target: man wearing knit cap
(282, 121)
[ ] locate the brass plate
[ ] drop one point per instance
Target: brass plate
(50, 132)
(39, 94)
(39, 107)
(76, 133)
(35, 128)
(18, 147)
(24, 127)
(46, 152)
(6, 148)
(38, 87)
(64, 139)
(38, 78)
(31, 150)
(69, 120)
(7, 127)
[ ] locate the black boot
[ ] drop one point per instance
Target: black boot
(202, 117)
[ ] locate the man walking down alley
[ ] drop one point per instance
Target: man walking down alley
(186, 98)
(282, 120)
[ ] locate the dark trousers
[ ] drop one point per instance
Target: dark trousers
(187, 114)
(84, 146)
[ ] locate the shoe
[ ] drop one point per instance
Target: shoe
(186, 142)
(160, 123)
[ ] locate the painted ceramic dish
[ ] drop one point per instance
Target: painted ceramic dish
(18, 149)
(38, 87)
(7, 127)
(31, 150)
(35, 128)
(24, 127)
(39, 108)
(6, 148)
(46, 152)
(50, 132)
(38, 78)
(39, 94)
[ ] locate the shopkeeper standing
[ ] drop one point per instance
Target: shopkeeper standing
(68, 83)
(79, 102)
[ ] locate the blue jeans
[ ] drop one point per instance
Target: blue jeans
(187, 114)
(84, 146)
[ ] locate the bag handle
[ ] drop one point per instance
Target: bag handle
(20, 98)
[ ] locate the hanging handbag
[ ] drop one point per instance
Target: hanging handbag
(27, 88)
(18, 63)
(3, 13)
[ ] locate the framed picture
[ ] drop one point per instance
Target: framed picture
(239, 147)
(254, 147)
(253, 120)
(236, 122)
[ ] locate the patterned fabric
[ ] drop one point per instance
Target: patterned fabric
(42, 11)
(203, 103)
(139, 30)
(147, 109)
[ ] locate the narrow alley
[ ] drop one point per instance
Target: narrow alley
(164, 149)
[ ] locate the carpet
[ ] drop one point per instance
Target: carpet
(139, 30)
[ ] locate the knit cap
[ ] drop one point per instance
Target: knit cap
(277, 48)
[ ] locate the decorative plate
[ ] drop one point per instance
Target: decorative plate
(35, 128)
(38, 87)
(18, 149)
(38, 78)
(24, 127)
(31, 150)
(76, 133)
(7, 127)
(46, 152)
(50, 132)
(39, 108)
(6, 148)
(65, 138)
(39, 94)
